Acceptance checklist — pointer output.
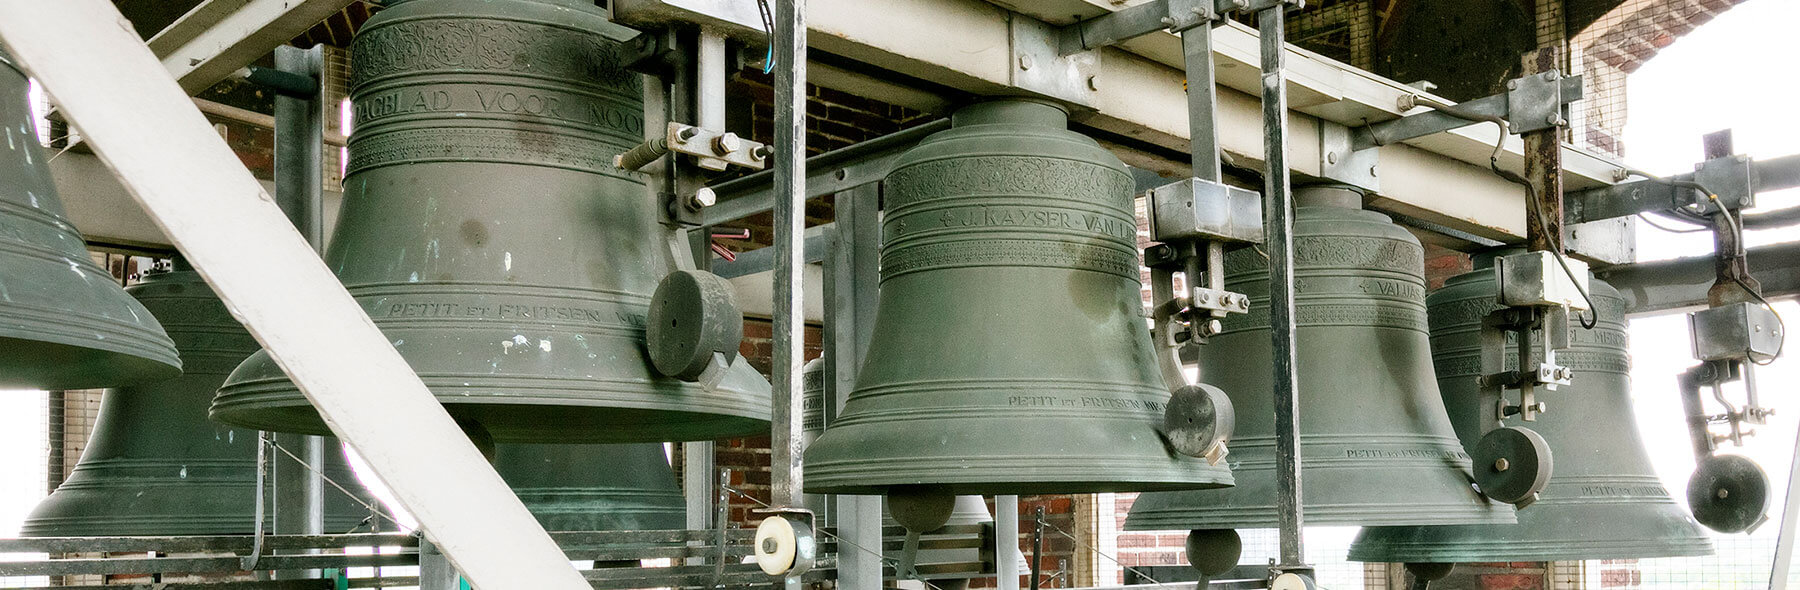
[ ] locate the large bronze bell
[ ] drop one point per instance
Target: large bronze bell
(487, 233)
(1376, 446)
(571, 487)
(1010, 353)
(155, 465)
(65, 323)
(966, 510)
(1602, 502)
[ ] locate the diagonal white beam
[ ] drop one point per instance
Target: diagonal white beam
(147, 130)
(218, 37)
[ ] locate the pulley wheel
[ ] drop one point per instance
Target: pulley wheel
(1729, 493)
(1198, 419)
(1512, 464)
(921, 509)
(785, 545)
(1214, 551)
(1291, 581)
(693, 316)
(1429, 571)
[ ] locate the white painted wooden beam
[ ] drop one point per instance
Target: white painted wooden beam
(143, 126)
(218, 37)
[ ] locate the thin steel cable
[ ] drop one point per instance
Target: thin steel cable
(373, 509)
(1097, 551)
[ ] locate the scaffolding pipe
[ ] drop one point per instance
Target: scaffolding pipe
(188, 180)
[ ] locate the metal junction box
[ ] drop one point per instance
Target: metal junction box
(1196, 209)
(1736, 331)
(1535, 278)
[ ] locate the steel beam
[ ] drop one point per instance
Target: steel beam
(1434, 122)
(828, 173)
(219, 37)
(967, 46)
(1671, 286)
(143, 125)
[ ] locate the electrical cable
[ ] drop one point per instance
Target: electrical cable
(768, 22)
(1531, 198)
(1738, 234)
(1674, 230)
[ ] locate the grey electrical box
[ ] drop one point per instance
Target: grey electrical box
(1195, 209)
(1737, 331)
(1538, 279)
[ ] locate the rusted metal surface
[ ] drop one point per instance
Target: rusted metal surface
(1543, 170)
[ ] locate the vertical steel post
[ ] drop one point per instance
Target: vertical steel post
(1006, 542)
(1279, 231)
(1202, 102)
(1543, 169)
(851, 278)
(299, 490)
(790, 263)
(709, 111)
(1037, 548)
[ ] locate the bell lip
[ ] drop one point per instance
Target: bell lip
(123, 368)
(1209, 479)
(1479, 543)
(276, 405)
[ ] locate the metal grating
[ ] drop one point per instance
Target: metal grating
(1617, 43)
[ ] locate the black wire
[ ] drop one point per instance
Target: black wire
(1673, 230)
(1531, 198)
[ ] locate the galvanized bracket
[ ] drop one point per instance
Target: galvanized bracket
(1439, 121)
(1735, 179)
(1535, 102)
(1195, 209)
(1174, 16)
(1341, 161)
(1731, 179)
(1039, 65)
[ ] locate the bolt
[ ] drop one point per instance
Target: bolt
(1540, 408)
(1093, 82)
(1553, 119)
(1203, 297)
(760, 153)
(1024, 62)
(1211, 327)
(619, 161)
(1330, 157)
(726, 143)
(1167, 21)
(1240, 4)
(703, 197)
(687, 133)
(1620, 174)
(1552, 75)
(1374, 171)
(769, 545)
(1512, 84)
(1501, 464)
(1724, 493)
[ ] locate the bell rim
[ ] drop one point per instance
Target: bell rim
(125, 367)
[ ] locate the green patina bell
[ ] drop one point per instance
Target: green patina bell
(1603, 501)
(965, 510)
(65, 323)
(487, 233)
(1376, 445)
(1010, 353)
(155, 465)
(571, 487)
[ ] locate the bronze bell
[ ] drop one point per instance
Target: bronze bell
(1603, 501)
(487, 233)
(571, 487)
(1376, 445)
(1010, 353)
(65, 323)
(155, 465)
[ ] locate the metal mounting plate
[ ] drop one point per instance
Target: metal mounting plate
(1038, 65)
(1534, 103)
(1731, 178)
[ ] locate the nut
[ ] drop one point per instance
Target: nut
(703, 197)
(726, 143)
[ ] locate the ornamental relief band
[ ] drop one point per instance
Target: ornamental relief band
(1021, 216)
(1038, 253)
(1334, 315)
(1373, 254)
(510, 146)
(465, 44)
(623, 117)
(1037, 177)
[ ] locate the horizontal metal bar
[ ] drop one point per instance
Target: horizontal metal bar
(1434, 122)
(831, 172)
(1669, 286)
(238, 543)
(1149, 17)
(312, 584)
(604, 538)
(158, 565)
(763, 259)
(1777, 173)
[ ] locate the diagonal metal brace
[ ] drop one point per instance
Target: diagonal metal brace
(1171, 15)
(1434, 122)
